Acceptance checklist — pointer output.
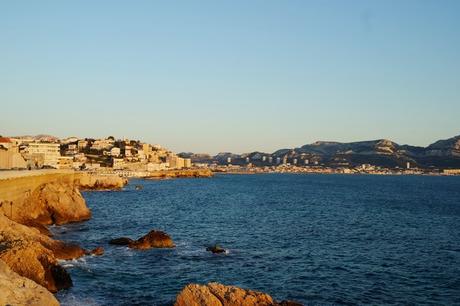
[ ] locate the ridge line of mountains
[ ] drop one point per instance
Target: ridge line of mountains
(442, 154)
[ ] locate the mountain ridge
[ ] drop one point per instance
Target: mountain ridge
(444, 153)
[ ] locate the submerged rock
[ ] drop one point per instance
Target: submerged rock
(154, 239)
(99, 251)
(215, 294)
(121, 241)
(139, 187)
(216, 249)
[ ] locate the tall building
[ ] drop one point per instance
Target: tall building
(49, 151)
(10, 158)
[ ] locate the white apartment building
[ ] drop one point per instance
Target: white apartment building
(49, 151)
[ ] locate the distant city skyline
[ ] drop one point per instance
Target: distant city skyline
(210, 77)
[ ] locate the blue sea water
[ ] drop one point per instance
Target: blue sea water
(316, 239)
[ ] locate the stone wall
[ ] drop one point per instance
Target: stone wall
(17, 187)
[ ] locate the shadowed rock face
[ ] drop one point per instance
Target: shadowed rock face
(34, 255)
(18, 290)
(215, 294)
(154, 239)
(121, 241)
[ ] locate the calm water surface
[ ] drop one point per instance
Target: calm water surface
(316, 239)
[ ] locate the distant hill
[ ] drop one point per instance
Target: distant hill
(380, 152)
(40, 137)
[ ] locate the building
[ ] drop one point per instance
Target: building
(157, 167)
(115, 151)
(10, 158)
(187, 163)
(102, 144)
(146, 148)
(65, 162)
(82, 144)
(175, 162)
(451, 171)
(128, 151)
(49, 151)
(118, 164)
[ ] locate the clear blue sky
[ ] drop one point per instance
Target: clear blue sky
(210, 76)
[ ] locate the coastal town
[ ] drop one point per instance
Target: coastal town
(134, 158)
(125, 157)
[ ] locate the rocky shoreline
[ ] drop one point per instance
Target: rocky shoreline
(29, 256)
(185, 173)
(28, 253)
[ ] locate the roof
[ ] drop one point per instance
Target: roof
(5, 140)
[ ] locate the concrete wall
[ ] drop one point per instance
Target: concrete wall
(17, 186)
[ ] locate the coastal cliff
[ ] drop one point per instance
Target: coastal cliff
(51, 197)
(27, 204)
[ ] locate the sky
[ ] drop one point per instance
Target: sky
(239, 76)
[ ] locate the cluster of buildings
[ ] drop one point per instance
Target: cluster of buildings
(87, 154)
(362, 169)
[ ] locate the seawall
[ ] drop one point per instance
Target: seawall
(16, 187)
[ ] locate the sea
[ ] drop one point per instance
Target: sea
(318, 239)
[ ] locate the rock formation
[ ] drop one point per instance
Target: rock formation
(34, 255)
(99, 251)
(101, 182)
(28, 255)
(154, 239)
(216, 249)
(215, 294)
(165, 174)
(18, 290)
(57, 203)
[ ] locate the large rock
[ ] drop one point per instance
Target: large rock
(101, 182)
(34, 261)
(18, 290)
(55, 203)
(154, 239)
(215, 294)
